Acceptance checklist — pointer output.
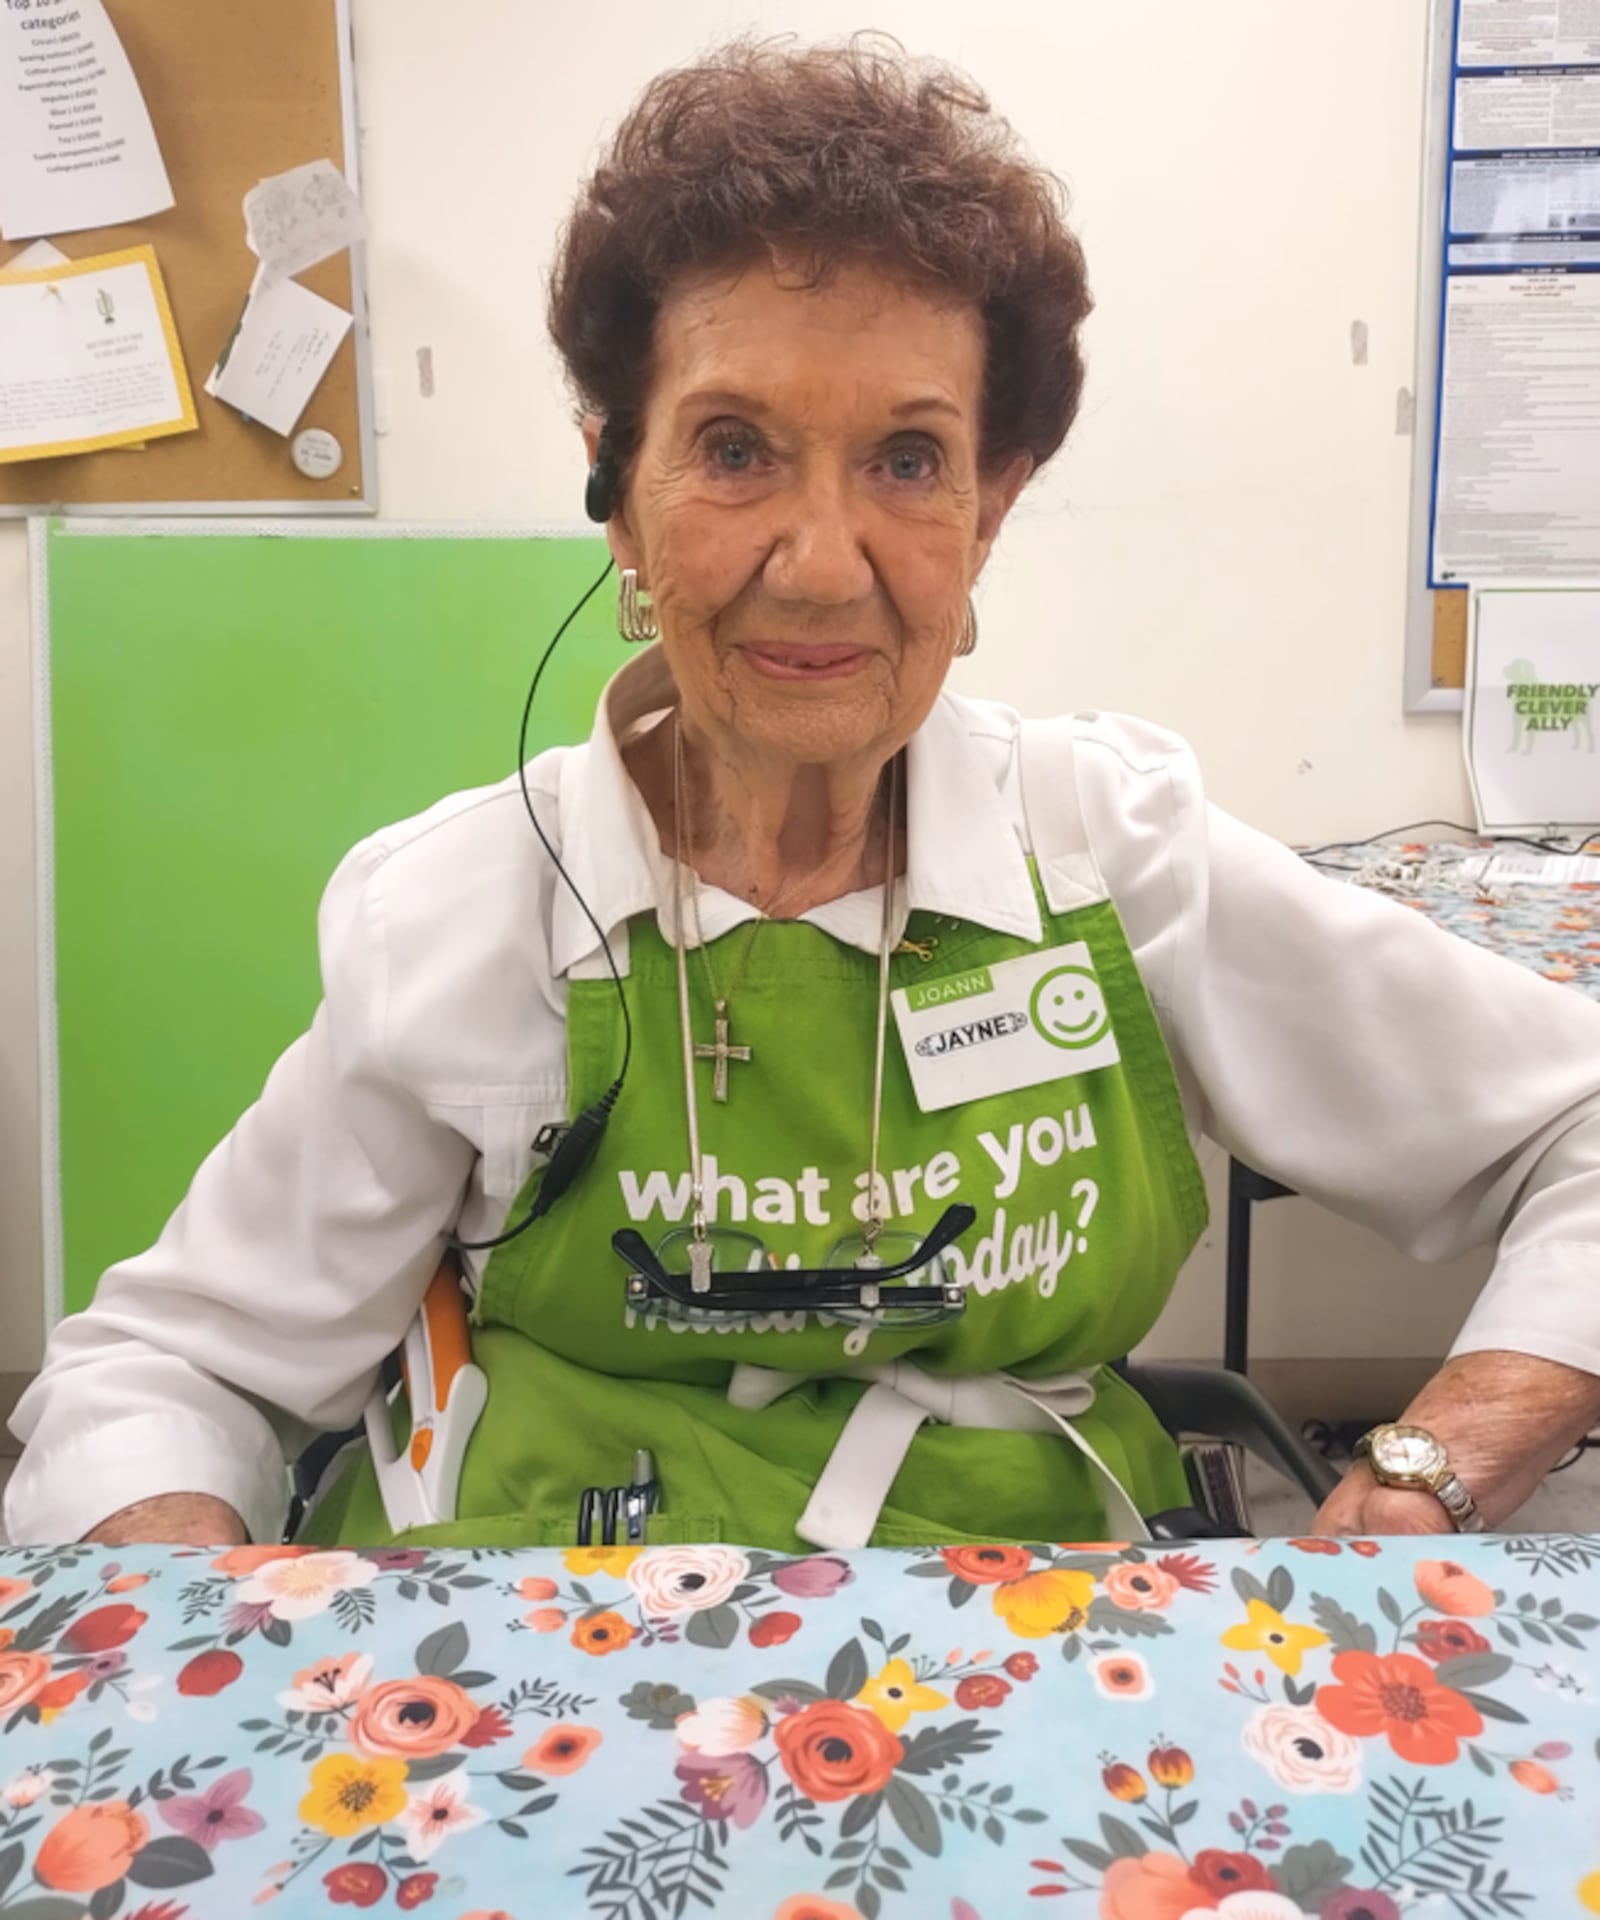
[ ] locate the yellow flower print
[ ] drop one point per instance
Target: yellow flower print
(1280, 1640)
(612, 1560)
(1040, 1604)
(1589, 1893)
(895, 1694)
(349, 1793)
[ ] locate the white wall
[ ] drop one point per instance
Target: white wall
(1222, 547)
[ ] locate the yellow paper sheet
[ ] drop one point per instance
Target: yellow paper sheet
(89, 358)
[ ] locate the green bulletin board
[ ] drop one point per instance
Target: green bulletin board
(226, 711)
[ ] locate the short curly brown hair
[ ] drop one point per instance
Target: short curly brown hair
(827, 154)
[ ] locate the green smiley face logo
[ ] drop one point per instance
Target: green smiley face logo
(1068, 1007)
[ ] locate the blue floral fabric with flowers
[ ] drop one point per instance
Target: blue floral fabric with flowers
(1351, 1730)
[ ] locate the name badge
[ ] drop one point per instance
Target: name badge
(994, 1029)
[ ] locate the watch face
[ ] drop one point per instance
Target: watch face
(1407, 1450)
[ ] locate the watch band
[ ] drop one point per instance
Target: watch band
(1459, 1504)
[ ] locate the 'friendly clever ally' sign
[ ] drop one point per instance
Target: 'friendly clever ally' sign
(1533, 707)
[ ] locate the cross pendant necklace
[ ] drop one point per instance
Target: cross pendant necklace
(722, 1052)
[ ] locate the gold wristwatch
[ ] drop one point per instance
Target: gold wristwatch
(1411, 1458)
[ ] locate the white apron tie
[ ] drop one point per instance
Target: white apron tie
(852, 1488)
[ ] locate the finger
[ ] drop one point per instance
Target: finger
(1393, 1510)
(1341, 1512)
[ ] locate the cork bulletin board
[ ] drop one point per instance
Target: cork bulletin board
(238, 90)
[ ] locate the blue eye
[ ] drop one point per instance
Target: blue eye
(911, 461)
(733, 448)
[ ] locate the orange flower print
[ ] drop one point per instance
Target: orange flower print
(239, 1562)
(602, 1633)
(833, 1751)
(413, 1719)
(812, 1906)
(1449, 1588)
(1122, 1676)
(1125, 1782)
(1533, 1776)
(22, 1676)
(1140, 1589)
(984, 1566)
(90, 1847)
(62, 1691)
(562, 1750)
(1156, 1886)
(1398, 1695)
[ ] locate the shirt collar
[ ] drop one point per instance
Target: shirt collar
(964, 857)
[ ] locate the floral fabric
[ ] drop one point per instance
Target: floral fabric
(1349, 1730)
(1551, 930)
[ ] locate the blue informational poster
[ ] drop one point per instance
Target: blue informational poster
(1516, 460)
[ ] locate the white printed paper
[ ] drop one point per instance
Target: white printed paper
(1529, 33)
(295, 219)
(1526, 193)
(1525, 868)
(1519, 429)
(1527, 110)
(77, 148)
(40, 254)
(285, 343)
(1533, 707)
(88, 359)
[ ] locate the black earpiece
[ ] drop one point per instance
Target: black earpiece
(600, 495)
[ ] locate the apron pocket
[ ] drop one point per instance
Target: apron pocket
(661, 1530)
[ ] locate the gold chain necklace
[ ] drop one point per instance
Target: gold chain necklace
(700, 1253)
(720, 1049)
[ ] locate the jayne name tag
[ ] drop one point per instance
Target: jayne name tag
(993, 1029)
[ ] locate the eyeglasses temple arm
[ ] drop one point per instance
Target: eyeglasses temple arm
(948, 1228)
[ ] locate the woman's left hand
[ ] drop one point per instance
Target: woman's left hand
(1504, 1419)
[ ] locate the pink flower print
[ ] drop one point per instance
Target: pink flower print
(439, 1810)
(329, 1683)
(724, 1787)
(814, 1578)
(217, 1814)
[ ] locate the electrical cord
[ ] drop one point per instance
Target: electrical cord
(568, 1145)
(1310, 854)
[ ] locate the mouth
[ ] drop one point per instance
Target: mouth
(779, 660)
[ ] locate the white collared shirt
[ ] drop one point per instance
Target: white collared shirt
(1329, 1038)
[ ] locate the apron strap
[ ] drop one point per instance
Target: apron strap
(852, 1488)
(1047, 759)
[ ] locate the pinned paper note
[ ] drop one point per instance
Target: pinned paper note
(295, 219)
(40, 254)
(77, 148)
(283, 345)
(89, 358)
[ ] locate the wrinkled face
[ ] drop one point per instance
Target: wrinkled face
(806, 505)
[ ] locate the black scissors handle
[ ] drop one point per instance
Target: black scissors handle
(604, 1502)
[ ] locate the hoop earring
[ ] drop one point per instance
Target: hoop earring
(636, 618)
(968, 641)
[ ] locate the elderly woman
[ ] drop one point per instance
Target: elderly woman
(885, 960)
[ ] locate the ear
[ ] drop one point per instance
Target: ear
(619, 532)
(997, 495)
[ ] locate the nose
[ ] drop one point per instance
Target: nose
(819, 557)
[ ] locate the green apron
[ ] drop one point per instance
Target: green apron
(1088, 1196)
